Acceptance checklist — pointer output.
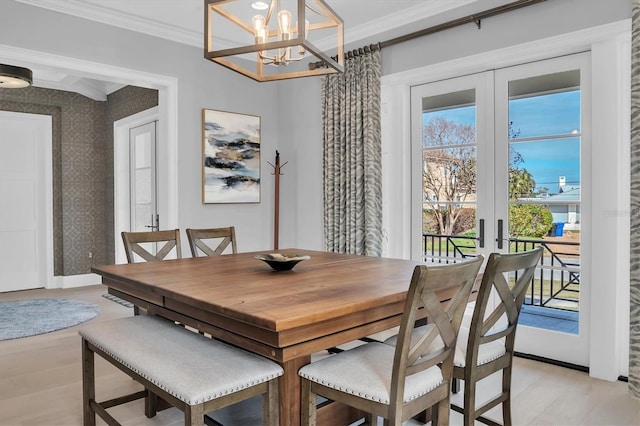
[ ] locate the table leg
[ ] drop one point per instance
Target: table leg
(289, 391)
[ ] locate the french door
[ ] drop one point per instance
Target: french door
(499, 162)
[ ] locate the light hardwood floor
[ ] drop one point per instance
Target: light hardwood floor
(40, 384)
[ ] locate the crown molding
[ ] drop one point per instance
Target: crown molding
(115, 18)
(163, 30)
(402, 17)
(535, 50)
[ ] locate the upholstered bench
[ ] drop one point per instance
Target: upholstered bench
(192, 372)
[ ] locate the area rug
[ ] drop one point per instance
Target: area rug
(23, 318)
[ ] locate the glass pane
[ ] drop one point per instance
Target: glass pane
(143, 150)
(544, 194)
(545, 105)
(449, 176)
(543, 168)
(143, 217)
(143, 186)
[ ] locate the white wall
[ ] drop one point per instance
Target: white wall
(300, 139)
(200, 84)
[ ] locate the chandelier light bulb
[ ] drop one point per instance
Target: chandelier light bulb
(284, 23)
(259, 29)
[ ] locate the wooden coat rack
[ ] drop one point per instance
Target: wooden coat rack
(276, 215)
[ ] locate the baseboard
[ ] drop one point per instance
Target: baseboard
(562, 364)
(552, 361)
(73, 281)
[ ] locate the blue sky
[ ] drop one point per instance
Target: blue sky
(552, 114)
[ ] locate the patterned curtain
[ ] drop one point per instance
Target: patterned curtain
(352, 156)
(634, 325)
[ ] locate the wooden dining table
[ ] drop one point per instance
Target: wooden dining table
(327, 300)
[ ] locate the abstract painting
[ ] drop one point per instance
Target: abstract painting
(231, 157)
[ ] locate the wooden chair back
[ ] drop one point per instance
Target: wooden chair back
(488, 326)
(435, 344)
(508, 276)
(133, 244)
(198, 245)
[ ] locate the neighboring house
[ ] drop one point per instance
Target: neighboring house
(564, 206)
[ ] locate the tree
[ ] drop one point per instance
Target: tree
(529, 220)
(525, 220)
(449, 169)
(521, 182)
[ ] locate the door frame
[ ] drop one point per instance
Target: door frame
(167, 87)
(121, 178)
(492, 204)
(610, 55)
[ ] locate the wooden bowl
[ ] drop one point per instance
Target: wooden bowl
(281, 261)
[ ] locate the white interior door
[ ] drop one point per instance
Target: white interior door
(25, 200)
(135, 176)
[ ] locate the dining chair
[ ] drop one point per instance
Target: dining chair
(487, 346)
(133, 244)
(398, 382)
(198, 245)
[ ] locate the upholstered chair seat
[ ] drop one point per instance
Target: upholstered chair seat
(366, 370)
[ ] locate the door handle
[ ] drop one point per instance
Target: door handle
(499, 240)
(481, 234)
(155, 227)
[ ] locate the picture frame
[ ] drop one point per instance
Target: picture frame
(230, 157)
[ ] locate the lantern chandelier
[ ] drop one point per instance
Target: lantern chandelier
(274, 39)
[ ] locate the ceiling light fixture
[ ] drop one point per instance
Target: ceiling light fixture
(12, 77)
(260, 46)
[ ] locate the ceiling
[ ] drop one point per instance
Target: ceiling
(182, 21)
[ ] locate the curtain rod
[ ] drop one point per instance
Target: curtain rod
(476, 18)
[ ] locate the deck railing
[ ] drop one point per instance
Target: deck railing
(556, 283)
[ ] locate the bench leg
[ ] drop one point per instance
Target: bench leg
(194, 415)
(88, 385)
(270, 409)
(150, 404)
